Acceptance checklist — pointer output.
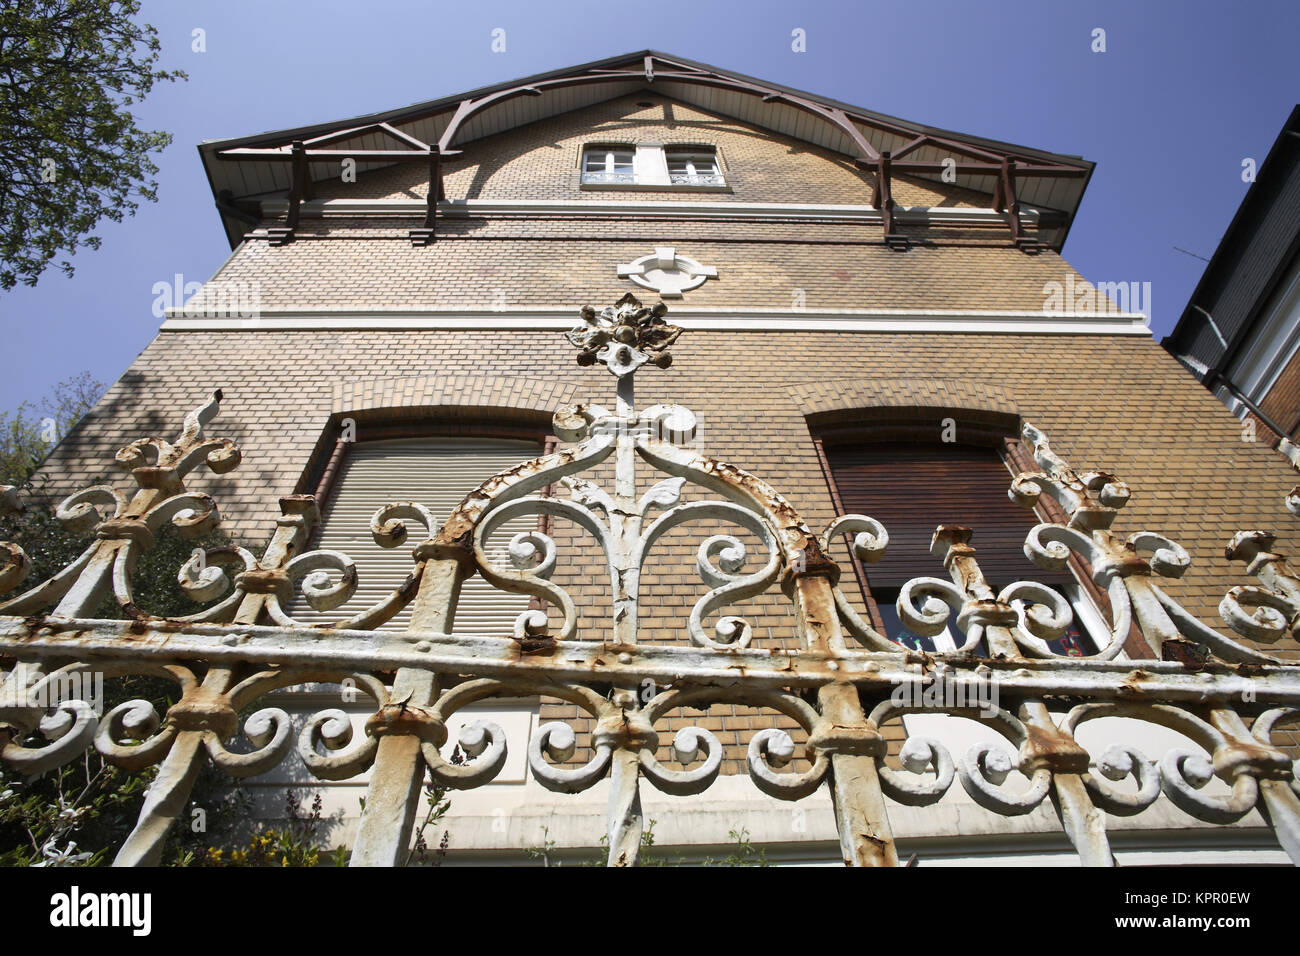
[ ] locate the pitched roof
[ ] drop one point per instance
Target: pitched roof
(261, 164)
(1258, 248)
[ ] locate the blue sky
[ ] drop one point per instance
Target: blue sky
(1184, 92)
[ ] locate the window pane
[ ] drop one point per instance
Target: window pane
(693, 169)
(894, 629)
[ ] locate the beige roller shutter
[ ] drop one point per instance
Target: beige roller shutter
(436, 473)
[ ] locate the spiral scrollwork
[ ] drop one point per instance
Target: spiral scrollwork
(939, 598)
(558, 742)
(533, 555)
(1118, 761)
(727, 582)
(270, 732)
(79, 512)
(332, 730)
(1183, 775)
(772, 749)
(1260, 614)
(919, 755)
(1168, 558)
(984, 769)
(129, 736)
(389, 530)
(1045, 616)
(69, 728)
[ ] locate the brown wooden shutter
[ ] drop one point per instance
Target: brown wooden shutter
(913, 487)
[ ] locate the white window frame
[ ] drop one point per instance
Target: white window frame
(1086, 614)
(607, 155)
(692, 159)
(649, 167)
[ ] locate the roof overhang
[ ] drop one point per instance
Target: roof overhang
(288, 161)
(1259, 249)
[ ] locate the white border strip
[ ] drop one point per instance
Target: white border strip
(684, 209)
(706, 319)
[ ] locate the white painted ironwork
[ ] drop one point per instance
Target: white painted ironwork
(839, 682)
(436, 473)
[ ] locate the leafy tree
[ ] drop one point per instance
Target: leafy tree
(30, 432)
(71, 153)
(80, 813)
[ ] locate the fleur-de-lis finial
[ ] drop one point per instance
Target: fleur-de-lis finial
(624, 336)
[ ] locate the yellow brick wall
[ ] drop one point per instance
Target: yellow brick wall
(540, 161)
(1112, 403)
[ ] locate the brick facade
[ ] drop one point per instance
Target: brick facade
(1108, 402)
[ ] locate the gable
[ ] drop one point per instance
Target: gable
(265, 164)
(540, 160)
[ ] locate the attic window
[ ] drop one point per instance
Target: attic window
(651, 166)
(693, 168)
(608, 164)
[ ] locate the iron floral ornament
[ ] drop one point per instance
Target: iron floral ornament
(624, 336)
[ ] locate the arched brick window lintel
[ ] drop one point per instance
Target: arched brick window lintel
(884, 409)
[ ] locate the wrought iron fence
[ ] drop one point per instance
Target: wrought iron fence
(840, 684)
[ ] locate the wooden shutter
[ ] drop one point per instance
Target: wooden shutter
(436, 473)
(913, 487)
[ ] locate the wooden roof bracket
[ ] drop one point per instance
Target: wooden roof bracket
(427, 234)
(883, 199)
(1005, 200)
(300, 188)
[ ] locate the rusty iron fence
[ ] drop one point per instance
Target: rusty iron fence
(839, 683)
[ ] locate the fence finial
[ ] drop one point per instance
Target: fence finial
(624, 336)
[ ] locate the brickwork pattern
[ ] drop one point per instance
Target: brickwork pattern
(541, 161)
(342, 275)
(1113, 403)
(1151, 423)
(839, 401)
(410, 396)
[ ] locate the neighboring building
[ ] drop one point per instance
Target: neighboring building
(872, 310)
(1240, 332)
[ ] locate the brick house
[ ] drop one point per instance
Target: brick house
(873, 309)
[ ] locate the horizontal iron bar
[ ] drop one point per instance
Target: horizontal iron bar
(588, 661)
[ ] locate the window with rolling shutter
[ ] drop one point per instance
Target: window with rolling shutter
(911, 488)
(437, 473)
